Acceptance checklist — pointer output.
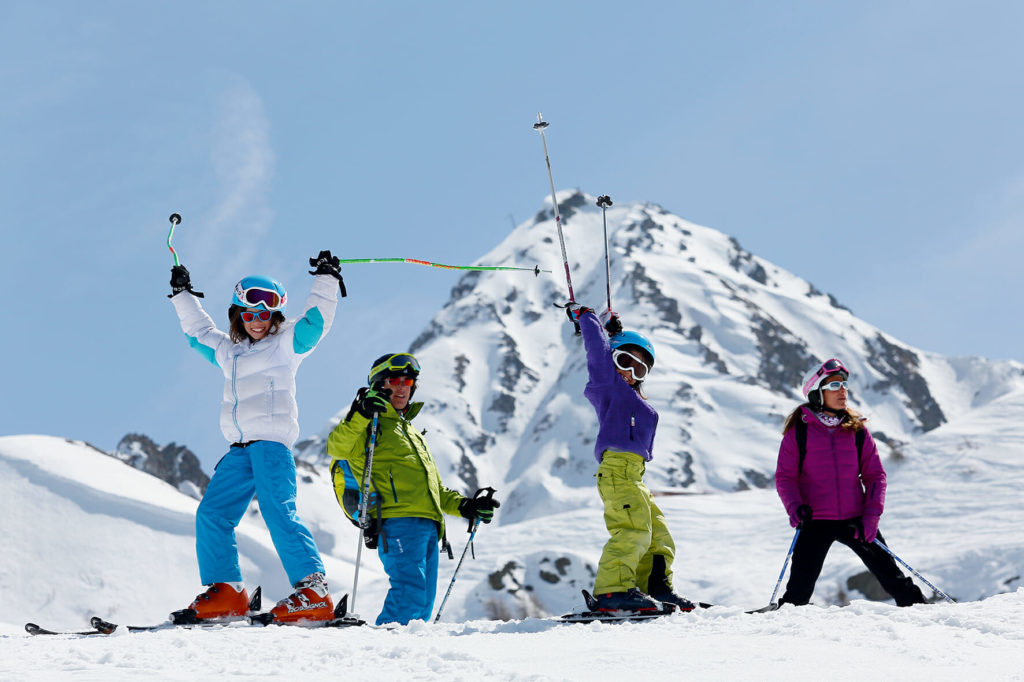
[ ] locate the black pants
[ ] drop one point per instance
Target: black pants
(809, 555)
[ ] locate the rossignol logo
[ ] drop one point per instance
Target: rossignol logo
(306, 607)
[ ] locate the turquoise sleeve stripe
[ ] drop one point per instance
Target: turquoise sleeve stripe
(308, 331)
(207, 352)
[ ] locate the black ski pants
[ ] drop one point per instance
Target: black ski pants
(809, 556)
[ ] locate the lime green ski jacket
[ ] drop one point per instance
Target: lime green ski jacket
(404, 475)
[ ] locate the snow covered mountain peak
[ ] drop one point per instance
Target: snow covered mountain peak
(503, 373)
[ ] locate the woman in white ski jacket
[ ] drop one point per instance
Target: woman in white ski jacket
(259, 418)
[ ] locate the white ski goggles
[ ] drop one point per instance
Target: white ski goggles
(254, 297)
(628, 362)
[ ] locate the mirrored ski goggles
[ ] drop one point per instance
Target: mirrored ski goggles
(257, 296)
(399, 381)
(626, 361)
(834, 385)
(262, 315)
(831, 366)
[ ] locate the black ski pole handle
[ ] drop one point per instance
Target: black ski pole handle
(475, 521)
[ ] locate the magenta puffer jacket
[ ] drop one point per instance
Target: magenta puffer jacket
(833, 482)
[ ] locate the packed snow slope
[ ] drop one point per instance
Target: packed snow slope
(503, 374)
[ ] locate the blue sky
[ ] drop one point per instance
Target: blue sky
(873, 148)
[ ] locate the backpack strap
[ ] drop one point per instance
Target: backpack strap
(801, 442)
(862, 436)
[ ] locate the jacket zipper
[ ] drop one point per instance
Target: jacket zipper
(234, 394)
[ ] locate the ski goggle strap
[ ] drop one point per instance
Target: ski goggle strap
(398, 363)
(628, 362)
(254, 297)
(830, 366)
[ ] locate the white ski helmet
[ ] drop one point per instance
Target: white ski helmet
(811, 386)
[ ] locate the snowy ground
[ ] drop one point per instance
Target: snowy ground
(979, 640)
(83, 534)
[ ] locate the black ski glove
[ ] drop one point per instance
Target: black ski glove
(478, 508)
(803, 514)
(326, 264)
(611, 322)
(574, 310)
(180, 281)
(370, 400)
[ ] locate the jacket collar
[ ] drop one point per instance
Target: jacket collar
(410, 412)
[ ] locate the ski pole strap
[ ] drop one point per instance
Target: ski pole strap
(916, 574)
(175, 219)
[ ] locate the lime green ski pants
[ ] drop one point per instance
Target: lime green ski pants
(640, 539)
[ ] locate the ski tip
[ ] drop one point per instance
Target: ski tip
(32, 628)
(175, 219)
(101, 625)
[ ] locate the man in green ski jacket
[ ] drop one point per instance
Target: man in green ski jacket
(407, 501)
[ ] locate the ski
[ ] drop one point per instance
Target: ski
(342, 619)
(33, 629)
(185, 618)
(765, 609)
(593, 615)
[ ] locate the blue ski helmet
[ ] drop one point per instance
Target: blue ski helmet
(257, 291)
(633, 339)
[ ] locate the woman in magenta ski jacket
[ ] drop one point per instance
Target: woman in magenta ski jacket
(832, 485)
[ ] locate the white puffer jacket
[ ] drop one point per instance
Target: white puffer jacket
(259, 387)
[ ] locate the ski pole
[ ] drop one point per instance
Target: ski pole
(919, 576)
(175, 219)
(539, 126)
(535, 269)
(604, 202)
(364, 505)
(785, 563)
(473, 525)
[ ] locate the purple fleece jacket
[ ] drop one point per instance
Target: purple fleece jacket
(625, 421)
(833, 482)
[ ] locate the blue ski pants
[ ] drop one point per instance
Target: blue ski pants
(265, 469)
(410, 560)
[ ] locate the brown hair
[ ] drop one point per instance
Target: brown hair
(238, 333)
(852, 419)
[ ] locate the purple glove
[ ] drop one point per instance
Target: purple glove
(870, 526)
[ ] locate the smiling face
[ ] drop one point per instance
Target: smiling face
(401, 391)
(631, 364)
(258, 328)
(834, 400)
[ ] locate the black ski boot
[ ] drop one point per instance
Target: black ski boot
(630, 600)
(670, 598)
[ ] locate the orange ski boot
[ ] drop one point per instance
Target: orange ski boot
(221, 600)
(311, 602)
